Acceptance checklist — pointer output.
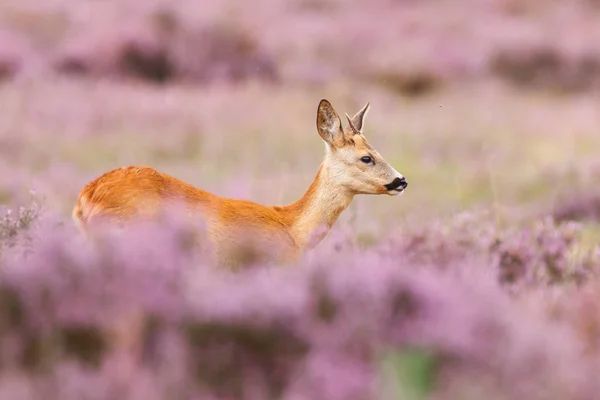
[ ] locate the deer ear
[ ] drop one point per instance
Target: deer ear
(357, 122)
(329, 124)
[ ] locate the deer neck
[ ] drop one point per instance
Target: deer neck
(312, 216)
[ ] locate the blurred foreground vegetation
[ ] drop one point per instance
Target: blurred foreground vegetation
(480, 281)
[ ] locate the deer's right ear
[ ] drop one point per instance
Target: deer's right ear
(329, 124)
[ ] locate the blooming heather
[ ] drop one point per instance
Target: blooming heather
(462, 289)
(145, 316)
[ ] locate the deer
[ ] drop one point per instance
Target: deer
(279, 234)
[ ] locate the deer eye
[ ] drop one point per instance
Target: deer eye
(366, 159)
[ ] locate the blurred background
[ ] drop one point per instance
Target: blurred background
(479, 103)
(490, 108)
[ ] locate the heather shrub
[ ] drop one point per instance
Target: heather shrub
(537, 253)
(547, 66)
(411, 83)
(542, 254)
(162, 49)
(13, 51)
(16, 225)
(578, 207)
(440, 306)
(133, 53)
(217, 52)
(145, 315)
(409, 48)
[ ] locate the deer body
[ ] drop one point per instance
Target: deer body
(239, 227)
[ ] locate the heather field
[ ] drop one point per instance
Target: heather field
(480, 281)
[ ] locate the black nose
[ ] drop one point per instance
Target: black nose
(396, 183)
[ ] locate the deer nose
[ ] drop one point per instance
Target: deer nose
(396, 183)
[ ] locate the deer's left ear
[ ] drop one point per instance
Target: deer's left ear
(329, 125)
(357, 122)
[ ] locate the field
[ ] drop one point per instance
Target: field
(480, 281)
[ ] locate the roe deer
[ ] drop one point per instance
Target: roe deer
(272, 233)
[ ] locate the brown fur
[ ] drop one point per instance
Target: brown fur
(239, 230)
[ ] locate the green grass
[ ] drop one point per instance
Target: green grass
(589, 238)
(407, 375)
